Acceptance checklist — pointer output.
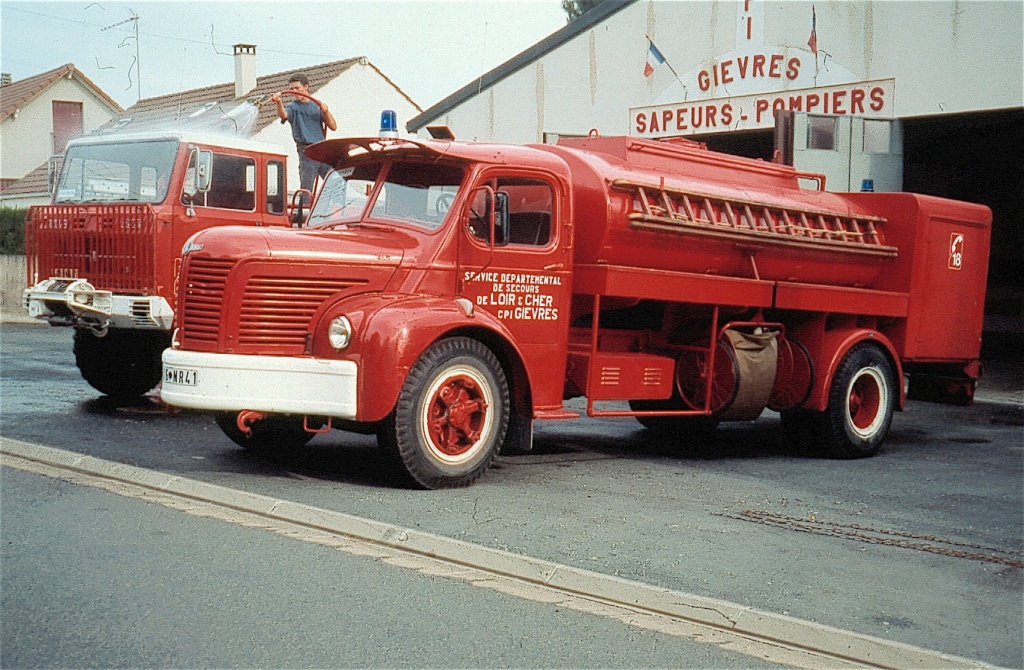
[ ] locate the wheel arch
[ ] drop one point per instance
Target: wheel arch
(511, 360)
(831, 350)
(394, 337)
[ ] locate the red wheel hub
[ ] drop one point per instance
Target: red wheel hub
(457, 415)
(865, 401)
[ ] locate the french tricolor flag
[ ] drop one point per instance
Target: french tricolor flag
(654, 58)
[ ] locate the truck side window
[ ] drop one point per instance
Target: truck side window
(530, 210)
(530, 203)
(275, 187)
(233, 184)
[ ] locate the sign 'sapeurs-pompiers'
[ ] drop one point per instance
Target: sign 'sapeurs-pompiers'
(448, 294)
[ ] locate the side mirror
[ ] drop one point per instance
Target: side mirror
(204, 170)
(491, 224)
(501, 219)
(199, 173)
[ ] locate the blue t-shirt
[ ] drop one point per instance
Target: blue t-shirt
(307, 121)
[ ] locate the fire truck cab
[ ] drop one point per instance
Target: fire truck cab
(103, 257)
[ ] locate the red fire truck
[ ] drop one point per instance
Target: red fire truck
(447, 294)
(104, 256)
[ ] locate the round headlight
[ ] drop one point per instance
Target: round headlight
(339, 333)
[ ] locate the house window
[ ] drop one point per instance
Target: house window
(877, 136)
(67, 123)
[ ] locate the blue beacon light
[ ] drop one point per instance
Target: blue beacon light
(388, 123)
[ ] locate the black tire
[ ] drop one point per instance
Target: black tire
(274, 434)
(692, 428)
(451, 416)
(123, 364)
(861, 402)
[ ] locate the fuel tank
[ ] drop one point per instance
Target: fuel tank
(674, 205)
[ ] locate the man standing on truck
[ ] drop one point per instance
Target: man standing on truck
(309, 120)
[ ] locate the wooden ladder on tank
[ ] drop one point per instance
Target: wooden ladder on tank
(667, 208)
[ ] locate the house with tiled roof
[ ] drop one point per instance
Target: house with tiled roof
(38, 115)
(354, 88)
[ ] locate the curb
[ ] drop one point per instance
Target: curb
(718, 614)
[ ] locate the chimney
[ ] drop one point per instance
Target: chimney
(5, 79)
(245, 68)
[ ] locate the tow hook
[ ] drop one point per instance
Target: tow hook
(246, 418)
(98, 329)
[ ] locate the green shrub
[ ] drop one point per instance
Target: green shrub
(12, 230)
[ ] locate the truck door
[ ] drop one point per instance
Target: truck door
(522, 276)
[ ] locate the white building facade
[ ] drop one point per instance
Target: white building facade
(727, 64)
(919, 96)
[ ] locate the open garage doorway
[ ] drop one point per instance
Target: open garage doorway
(977, 157)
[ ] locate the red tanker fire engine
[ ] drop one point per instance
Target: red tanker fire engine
(447, 294)
(104, 256)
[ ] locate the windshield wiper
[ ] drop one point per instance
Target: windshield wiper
(356, 224)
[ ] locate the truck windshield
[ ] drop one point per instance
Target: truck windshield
(116, 172)
(418, 193)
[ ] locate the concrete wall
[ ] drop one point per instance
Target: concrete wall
(12, 283)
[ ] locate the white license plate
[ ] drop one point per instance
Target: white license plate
(180, 376)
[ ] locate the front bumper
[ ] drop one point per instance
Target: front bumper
(273, 384)
(71, 301)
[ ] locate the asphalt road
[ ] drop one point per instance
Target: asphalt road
(922, 544)
(95, 580)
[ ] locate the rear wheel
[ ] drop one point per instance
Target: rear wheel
(861, 403)
(274, 433)
(123, 364)
(451, 415)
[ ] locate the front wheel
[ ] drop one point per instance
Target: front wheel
(451, 415)
(861, 402)
(123, 364)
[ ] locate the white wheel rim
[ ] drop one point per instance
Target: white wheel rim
(457, 415)
(867, 402)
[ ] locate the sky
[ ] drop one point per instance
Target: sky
(429, 48)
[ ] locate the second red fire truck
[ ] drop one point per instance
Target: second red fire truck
(103, 257)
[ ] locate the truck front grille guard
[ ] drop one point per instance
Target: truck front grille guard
(276, 311)
(112, 246)
(202, 289)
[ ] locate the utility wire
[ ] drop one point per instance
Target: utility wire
(159, 36)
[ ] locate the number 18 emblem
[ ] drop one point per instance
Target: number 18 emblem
(956, 251)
